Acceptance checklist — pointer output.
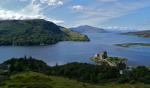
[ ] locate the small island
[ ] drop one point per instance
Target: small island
(127, 45)
(145, 33)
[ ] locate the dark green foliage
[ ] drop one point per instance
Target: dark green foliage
(138, 74)
(142, 74)
(28, 80)
(31, 32)
(26, 64)
(2, 78)
(101, 73)
(3, 72)
(86, 72)
(121, 66)
(38, 80)
(80, 71)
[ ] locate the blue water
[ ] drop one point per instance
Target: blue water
(69, 51)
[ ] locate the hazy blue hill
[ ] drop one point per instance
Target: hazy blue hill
(145, 33)
(88, 29)
(31, 32)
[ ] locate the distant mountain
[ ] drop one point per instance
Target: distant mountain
(145, 33)
(34, 32)
(88, 29)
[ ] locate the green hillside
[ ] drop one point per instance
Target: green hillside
(75, 36)
(34, 32)
(38, 80)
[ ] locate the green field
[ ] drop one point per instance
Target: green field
(38, 80)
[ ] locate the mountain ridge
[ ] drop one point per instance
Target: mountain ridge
(88, 29)
(33, 32)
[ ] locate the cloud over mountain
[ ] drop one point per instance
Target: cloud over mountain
(33, 10)
(80, 12)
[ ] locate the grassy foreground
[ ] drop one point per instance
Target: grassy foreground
(38, 80)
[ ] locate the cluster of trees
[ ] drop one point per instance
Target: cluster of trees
(137, 74)
(25, 64)
(23, 40)
(3, 72)
(33, 32)
(80, 71)
(86, 72)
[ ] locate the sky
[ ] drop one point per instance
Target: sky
(110, 14)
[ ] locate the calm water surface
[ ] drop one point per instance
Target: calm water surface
(64, 52)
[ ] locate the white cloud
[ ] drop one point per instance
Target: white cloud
(35, 6)
(122, 28)
(98, 14)
(23, 0)
(8, 14)
(107, 0)
(48, 2)
(77, 7)
(32, 11)
(52, 2)
(57, 21)
(11, 15)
